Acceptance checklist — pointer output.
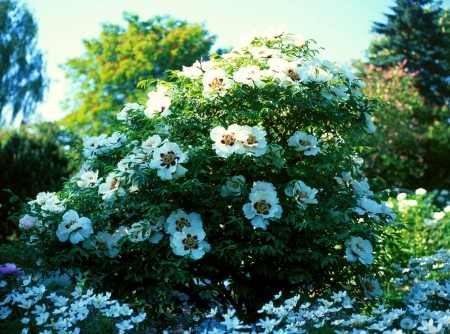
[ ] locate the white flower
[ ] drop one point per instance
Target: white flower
(274, 33)
(192, 72)
(304, 143)
(420, 191)
(372, 287)
(226, 142)
(368, 206)
(387, 210)
(335, 93)
(407, 323)
(252, 140)
(370, 127)
(233, 186)
(264, 205)
(303, 194)
(359, 249)
(89, 179)
(216, 81)
(151, 143)
(74, 227)
(263, 52)
(362, 187)
(249, 75)
(178, 220)
(158, 104)
(111, 188)
(190, 241)
(27, 222)
(429, 222)
(116, 140)
(313, 71)
(167, 160)
(428, 327)
(142, 230)
(48, 201)
(123, 114)
(103, 242)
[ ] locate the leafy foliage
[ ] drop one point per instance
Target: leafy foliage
(410, 146)
(21, 64)
(414, 32)
(106, 76)
(29, 165)
(224, 187)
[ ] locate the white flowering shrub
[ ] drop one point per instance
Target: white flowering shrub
(28, 307)
(426, 216)
(234, 181)
(422, 284)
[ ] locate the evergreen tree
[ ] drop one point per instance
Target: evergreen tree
(414, 32)
(21, 65)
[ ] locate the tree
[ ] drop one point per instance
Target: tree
(30, 164)
(21, 65)
(415, 32)
(106, 76)
(418, 150)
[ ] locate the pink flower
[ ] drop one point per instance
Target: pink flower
(9, 269)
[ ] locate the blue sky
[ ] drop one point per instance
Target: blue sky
(342, 27)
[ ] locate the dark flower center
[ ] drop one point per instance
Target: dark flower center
(305, 142)
(262, 207)
(369, 286)
(216, 83)
(113, 184)
(169, 159)
(228, 139)
(180, 224)
(251, 140)
(190, 242)
(101, 245)
(294, 76)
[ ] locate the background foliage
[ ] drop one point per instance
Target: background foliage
(106, 76)
(29, 164)
(22, 81)
(409, 148)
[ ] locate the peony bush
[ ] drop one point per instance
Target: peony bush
(234, 181)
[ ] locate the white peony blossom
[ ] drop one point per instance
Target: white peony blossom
(178, 220)
(74, 227)
(89, 180)
(167, 159)
(370, 127)
(304, 143)
(226, 142)
(151, 143)
(111, 188)
(303, 194)
(250, 76)
(190, 242)
(233, 186)
(369, 206)
(123, 115)
(359, 249)
(263, 205)
(216, 81)
(252, 140)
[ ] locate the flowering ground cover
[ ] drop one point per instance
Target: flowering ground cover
(234, 183)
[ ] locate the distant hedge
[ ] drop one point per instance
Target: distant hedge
(29, 165)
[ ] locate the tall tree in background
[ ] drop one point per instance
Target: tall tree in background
(106, 76)
(414, 32)
(21, 66)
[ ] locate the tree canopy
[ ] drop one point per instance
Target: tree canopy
(21, 65)
(106, 76)
(415, 31)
